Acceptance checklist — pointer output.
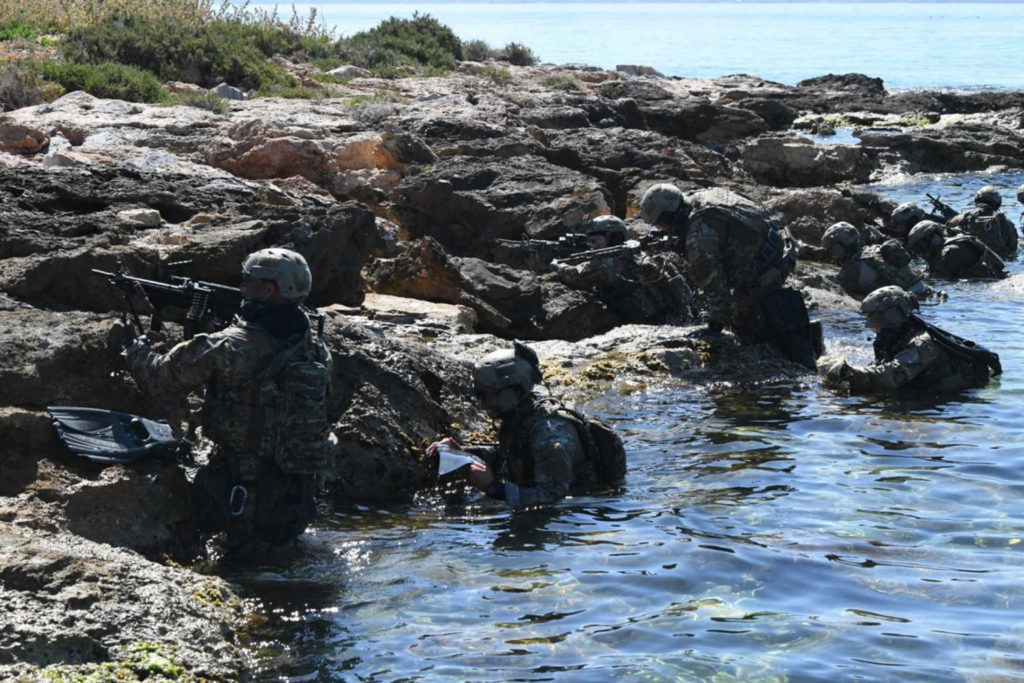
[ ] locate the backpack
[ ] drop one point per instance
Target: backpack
(603, 446)
(294, 388)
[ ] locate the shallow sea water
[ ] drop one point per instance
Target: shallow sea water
(783, 533)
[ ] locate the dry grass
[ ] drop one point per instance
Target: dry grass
(57, 16)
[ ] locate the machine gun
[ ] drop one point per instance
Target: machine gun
(941, 208)
(653, 241)
(208, 306)
(566, 244)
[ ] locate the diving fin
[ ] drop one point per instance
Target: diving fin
(108, 437)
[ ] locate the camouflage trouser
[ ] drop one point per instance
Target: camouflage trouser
(252, 500)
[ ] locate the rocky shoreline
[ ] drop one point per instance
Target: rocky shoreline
(394, 190)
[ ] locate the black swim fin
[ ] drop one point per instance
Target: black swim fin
(109, 437)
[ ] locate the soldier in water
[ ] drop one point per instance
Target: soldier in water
(865, 269)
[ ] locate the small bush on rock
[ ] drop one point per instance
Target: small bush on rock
(22, 85)
(203, 100)
(519, 55)
(418, 42)
(208, 54)
(108, 80)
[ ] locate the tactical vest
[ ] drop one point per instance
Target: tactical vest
(280, 413)
(752, 243)
(985, 264)
(956, 371)
(988, 226)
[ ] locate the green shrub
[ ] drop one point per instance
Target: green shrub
(519, 55)
(12, 31)
(202, 100)
(498, 74)
(568, 83)
(214, 52)
(291, 92)
(108, 80)
(418, 42)
(22, 85)
(479, 51)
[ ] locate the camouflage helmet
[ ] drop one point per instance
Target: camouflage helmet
(989, 196)
(1020, 194)
(660, 199)
(284, 267)
(886, 298)
(507, 368)
(922, 236)
(609, 225)
(906, 215)
(841, 234)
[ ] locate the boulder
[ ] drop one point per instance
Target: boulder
(798, 162)
(20, 138)
(464, 202)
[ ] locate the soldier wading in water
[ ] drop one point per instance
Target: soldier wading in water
(545, 450)
(266, 379)
(911, 355)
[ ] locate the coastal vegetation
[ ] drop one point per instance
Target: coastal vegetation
(129, 50)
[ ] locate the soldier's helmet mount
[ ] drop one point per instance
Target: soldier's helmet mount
(890, 298)
(988, 196)
(841, 240)
(660, 200)
(923, 236)
(284, 267)
(516, 368)
(608, 225)
(907, 215)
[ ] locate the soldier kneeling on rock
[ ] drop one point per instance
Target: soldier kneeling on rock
(266, 379)
(739, 260)
(911, 355)
(986, 222)
(545, 450)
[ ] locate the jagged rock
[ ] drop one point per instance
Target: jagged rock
(407, 311)
(798, 162)
(20, 138)
(697, 119)
(808, 213)
(462, 202)
(637, 70)
(962, 147)
(149, 218)
(850, 82)
(77, 604)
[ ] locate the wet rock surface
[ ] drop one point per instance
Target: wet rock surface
(395, 191)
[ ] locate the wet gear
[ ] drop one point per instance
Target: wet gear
(790, 326)
(965, 348)
(106, 436)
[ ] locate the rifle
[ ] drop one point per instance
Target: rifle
(208, 306)
(627, 247)
(566, 244)
(943, 209)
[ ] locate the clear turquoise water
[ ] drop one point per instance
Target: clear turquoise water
(772, 534)
(909, 45)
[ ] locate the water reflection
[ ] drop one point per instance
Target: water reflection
(783, 533)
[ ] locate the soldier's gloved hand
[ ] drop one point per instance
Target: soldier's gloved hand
(712, 331)
(834, 370)
(137, 351)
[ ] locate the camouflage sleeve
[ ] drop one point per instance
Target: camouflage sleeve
(921, 354)
(189, 365)
(707, 270)
(591, 273)
(553, 445)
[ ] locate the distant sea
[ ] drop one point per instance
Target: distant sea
(963, 46)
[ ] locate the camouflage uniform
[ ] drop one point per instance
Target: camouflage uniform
(242, 415)
(965, 257)
(540, 456)
(878, 265)
(734, 258)
(990, 226)
(639, 288)
(910, 360)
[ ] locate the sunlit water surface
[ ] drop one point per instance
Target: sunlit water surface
(772, 534)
